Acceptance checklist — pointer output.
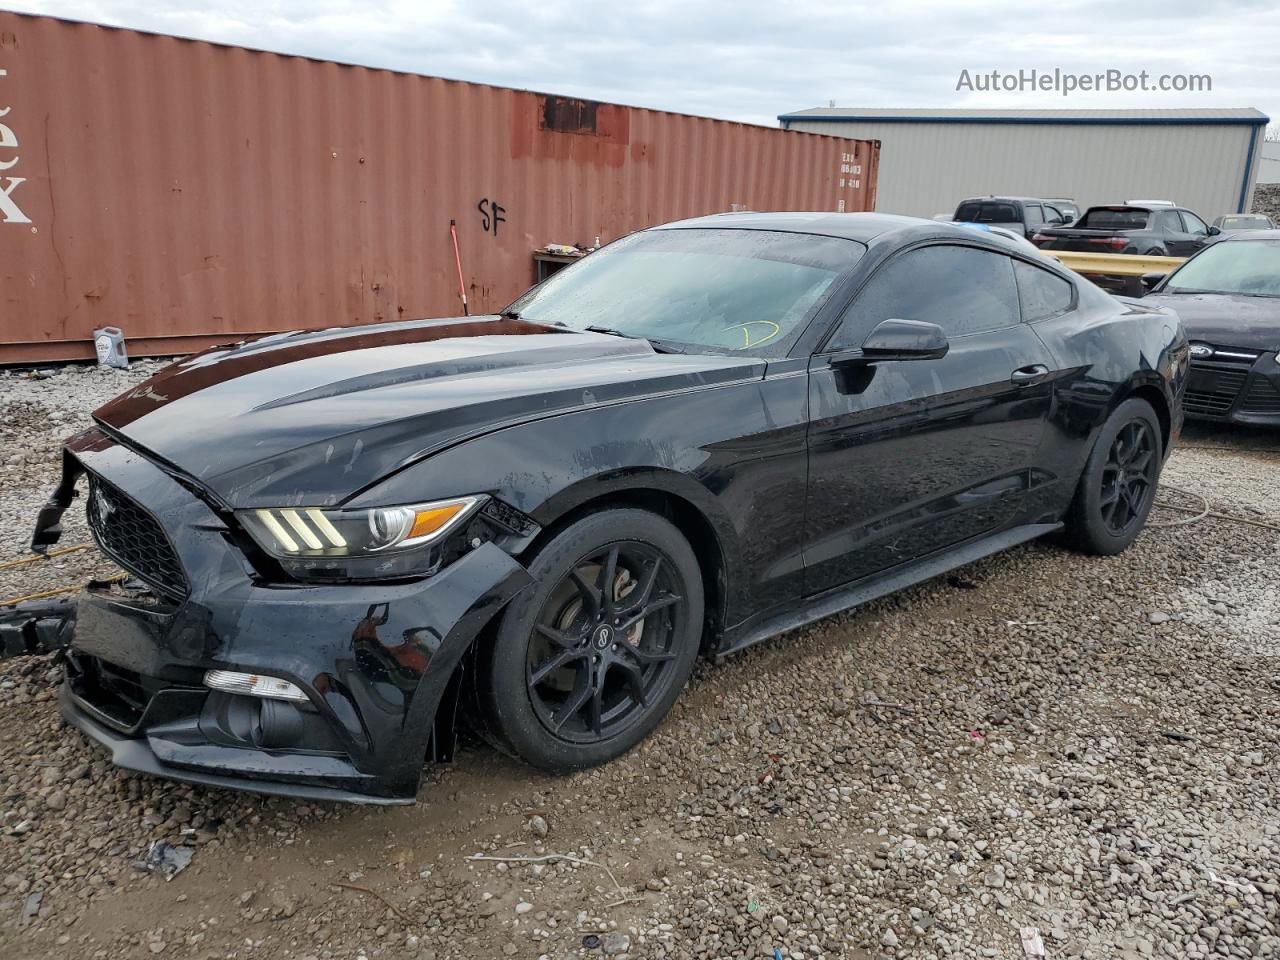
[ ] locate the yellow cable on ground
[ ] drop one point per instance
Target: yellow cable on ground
(45, 594)
(1200, 514)
(43, 556)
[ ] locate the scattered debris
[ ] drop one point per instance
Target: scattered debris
(164, 858)
(616, 942)
(1032, 943)
(31, 906)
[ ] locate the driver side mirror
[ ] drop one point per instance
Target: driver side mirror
(895, 339)
(1214, 231)
(1149, 280)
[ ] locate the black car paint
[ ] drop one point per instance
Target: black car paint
(1153, 240)
(1238, 381)
(783, 473)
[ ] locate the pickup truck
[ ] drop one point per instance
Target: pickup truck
(1146, 230)
(1023, 215)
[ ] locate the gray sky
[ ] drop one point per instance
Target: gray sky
(753, 59)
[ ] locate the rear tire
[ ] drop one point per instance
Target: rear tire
(586, 662)
(1118, 485)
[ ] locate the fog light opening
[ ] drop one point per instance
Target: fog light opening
(254, 685)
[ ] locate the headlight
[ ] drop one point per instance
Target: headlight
(327, 544)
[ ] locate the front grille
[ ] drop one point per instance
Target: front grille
(1263, 397)
(133, 538)
(1212, 388)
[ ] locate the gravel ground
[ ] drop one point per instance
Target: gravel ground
(1079, 745)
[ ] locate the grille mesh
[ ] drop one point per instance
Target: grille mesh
(132, 538)
(1212, 391)
(1262, 397)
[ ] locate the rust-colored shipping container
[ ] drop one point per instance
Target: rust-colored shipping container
(191, 193)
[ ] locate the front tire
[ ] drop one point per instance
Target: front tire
(1118, 485)
(588, 661)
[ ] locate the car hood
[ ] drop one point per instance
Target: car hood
(1227, 320)
(316, 417)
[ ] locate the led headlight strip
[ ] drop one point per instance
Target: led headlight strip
(293, 518)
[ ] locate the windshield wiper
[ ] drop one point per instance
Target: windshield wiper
(659, 346)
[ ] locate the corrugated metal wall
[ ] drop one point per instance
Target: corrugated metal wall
(189, 192)
(927, 168)
(1269, 163)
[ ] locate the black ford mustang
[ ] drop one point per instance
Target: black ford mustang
(703, 435)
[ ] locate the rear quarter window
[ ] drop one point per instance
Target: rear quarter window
(1042, 293)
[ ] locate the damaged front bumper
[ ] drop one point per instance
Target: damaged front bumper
(379, 663)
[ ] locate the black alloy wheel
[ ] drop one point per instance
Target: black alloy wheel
(1118, 484)
(1128, 477)
(586, 661)
(601, 648)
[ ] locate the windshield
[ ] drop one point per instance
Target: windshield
(1245, 223)
(1103, 218)
(1249, 267)
(745, 291)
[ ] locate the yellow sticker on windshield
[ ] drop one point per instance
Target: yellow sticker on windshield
(748, 340)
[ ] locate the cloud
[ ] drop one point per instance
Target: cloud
(753, 59)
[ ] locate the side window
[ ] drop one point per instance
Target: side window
(962, 289)
(1052, 213)
(1194, 224)
(1035, 215)
(1043, 294)
(1166, 221)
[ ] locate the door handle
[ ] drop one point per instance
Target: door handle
(1026, 376)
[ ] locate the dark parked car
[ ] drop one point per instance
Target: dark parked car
(1155, 230)
(1022, 215)
(695, 438)
(1070, 209)
(1228, 297)
(1243, 221)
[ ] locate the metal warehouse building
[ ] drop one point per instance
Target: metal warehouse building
(1206, 160)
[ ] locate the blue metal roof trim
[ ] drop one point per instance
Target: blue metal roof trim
(1248, 170)
(785, 118)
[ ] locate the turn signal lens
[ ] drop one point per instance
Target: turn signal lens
(427, 522)
(253, 685)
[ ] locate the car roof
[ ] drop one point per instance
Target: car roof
(1146, 207)
(1003, 197)
(864, 228)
